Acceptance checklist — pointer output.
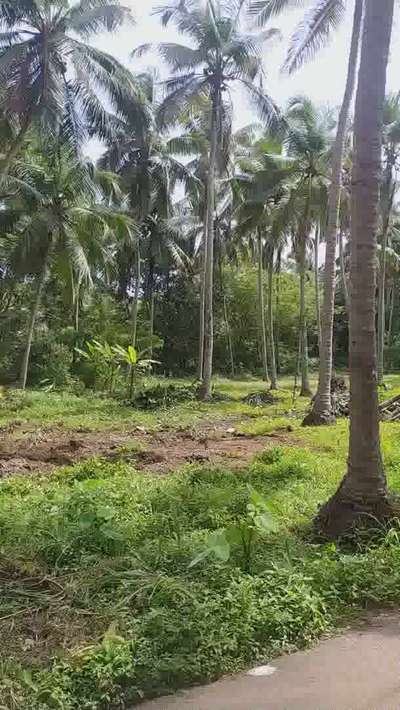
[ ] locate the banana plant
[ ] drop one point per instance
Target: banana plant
(104, 359)
(137, 364)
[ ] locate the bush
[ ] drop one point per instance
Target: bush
(163, 396)
(50, 364)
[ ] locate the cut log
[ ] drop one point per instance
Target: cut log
(390, 409)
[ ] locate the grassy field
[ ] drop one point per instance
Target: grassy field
(100, 604)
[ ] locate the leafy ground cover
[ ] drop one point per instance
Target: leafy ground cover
(100, 605)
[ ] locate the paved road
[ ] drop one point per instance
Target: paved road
(357, 671)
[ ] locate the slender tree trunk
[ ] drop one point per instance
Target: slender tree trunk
(316, 281)
(391, 312)
(135, 304)
(389, 197)
(321, 412)
(343, 272)
(206, 392)
(229, 337)
(278, 300)
(261, 308)
(362, 495)
(76, 309)
(271, 339)
(151, 326)
(305, 390)
(202, 292)
(32, 321)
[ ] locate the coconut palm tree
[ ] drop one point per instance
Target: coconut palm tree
(263, 172)
(363, 491)
(53, 220)
(321, 412)
(144, 158)
(51, 75)
(219, 57)
(308, 142)
(321, 19)
(195, 141)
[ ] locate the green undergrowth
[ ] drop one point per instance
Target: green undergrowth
(99, 606)
(98, 412)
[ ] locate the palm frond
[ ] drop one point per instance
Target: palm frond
(313, 32)
(91, 16)
(266, 108)
(263, 10)
(180, 57)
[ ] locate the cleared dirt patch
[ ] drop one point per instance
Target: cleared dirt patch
(42, 449)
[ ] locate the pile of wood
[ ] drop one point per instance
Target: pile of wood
(341, 403)
(340, 397)
(390, 410)
(259, 399)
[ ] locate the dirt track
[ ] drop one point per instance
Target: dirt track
(42, 449)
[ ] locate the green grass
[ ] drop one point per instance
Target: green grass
(95, 412)
(99, 606)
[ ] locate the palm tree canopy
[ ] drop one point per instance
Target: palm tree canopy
(50, 73)
(53, 198)
(319, 22)
(218, 54)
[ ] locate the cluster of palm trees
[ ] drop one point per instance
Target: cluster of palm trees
(176, 185)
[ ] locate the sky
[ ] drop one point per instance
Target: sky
(322, 79)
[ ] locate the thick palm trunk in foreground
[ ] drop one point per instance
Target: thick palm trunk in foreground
(209, 254)
(321, 412)
(362, 495)
(261, 307)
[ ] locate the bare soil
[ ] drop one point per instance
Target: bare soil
(28, 449)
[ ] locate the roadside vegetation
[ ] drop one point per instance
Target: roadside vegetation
(101, 604)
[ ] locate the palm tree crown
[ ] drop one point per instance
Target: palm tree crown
(50, 73)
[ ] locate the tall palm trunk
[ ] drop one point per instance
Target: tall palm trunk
(321, 412)
(151, 325)
(228, 330)
(135, 304)
(389, 193)
(277, 309)
(316, 282)
(271, 339)
(229, 336)
(209, 251)
(305, 390)
(261, 307)
(202, 297)
(362, 495)
(391, 313)
(343, 272)
(41, 280)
